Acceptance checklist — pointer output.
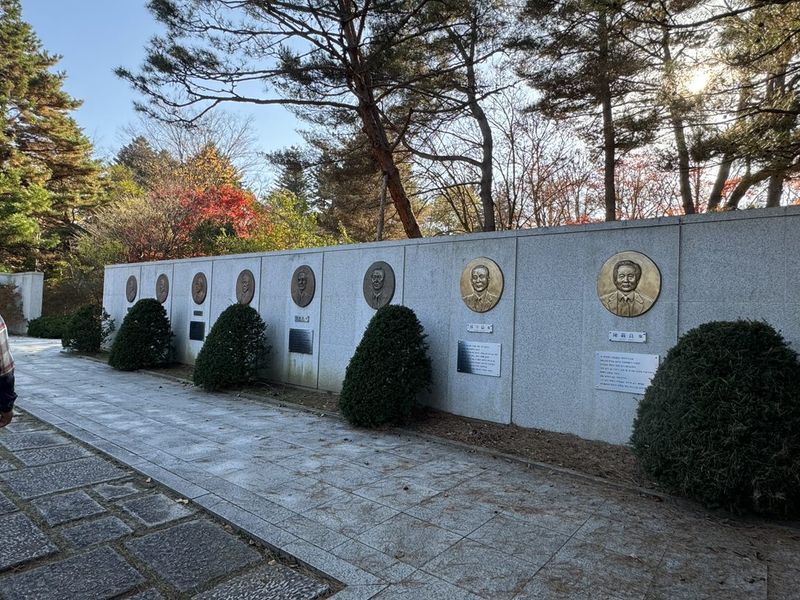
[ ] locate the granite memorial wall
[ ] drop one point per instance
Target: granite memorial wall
(558, 328)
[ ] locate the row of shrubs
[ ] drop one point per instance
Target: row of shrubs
(83, 331)
(719, 423)
(390, 365)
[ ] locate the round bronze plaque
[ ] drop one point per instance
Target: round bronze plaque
(162, 288)
(481, 284)
(199, 288)
(245, 287)
(303, 285)
(378, 284)
(131, 287)
(628, 284)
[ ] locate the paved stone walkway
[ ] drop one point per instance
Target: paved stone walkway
(75, 525)
(392, 516)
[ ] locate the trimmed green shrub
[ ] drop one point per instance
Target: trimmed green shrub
(720, 422)
(143, 339)
(49, 327)
(233, 351)
(87, 329)
(389, 367)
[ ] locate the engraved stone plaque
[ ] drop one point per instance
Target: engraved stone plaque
(378, 284)
(624, 371)
(301, 341)
(480, 328)
(197, 330)
(199, 288)
(481, 284)
(131, 287)
(628, 284)
(162, 288)
(245, 287)
(303, 285)
(478, 358)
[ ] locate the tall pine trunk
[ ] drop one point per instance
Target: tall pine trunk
(371, 123)
(678, 130)
(609, 137)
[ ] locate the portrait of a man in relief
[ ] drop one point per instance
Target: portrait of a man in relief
(481, 284)
(626, 300)
(480, 299)
(378, 284)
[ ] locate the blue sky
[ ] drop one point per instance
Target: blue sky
(96, 36)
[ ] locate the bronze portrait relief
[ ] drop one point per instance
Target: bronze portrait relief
(245, 287)
(162, 288)
(199, 288)
(303, 285)
(378, 286)
(131, 287)
(628, 284)
(481, 284)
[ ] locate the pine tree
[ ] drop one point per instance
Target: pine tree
(584, 65)
(47, 177)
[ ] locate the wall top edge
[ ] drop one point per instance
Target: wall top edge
(34, 273)
(733, 215)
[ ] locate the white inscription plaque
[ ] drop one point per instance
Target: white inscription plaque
(639, 337)
(624, 371)
(478, 358)
(480, 327)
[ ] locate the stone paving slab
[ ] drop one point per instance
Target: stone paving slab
(147, 595)
(98, 574)
(573, 573)
(102, 530)
(488, 573)
(114, 491)
(422, 586)
(272, 582)
(6, 465)
(409, 540)
(25, 441)
(38, 481)
(170, 554)
(62, 508)
(155, 509)
(21, 541)
(6, 505)
(54, 454)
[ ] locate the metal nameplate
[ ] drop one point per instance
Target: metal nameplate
(624, 371)
(638, 337)
(478, 358)
(197, 313)
(301, 341)
(480, 328)
(302, 319)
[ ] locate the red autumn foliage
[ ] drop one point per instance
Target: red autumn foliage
(221, 206)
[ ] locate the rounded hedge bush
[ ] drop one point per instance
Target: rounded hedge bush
(233, 351)
(49, 327)
(143, 339)
(389, 367)
(720, 422)
(87, 329)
